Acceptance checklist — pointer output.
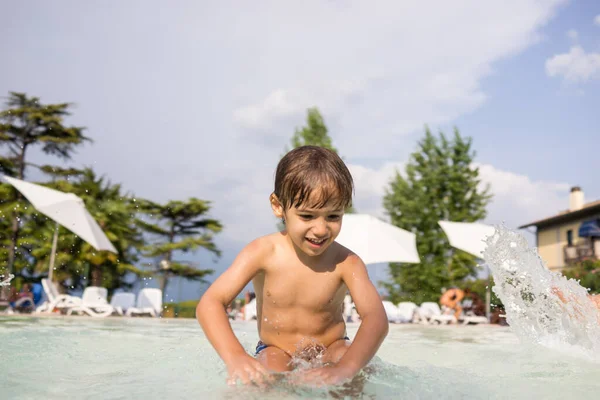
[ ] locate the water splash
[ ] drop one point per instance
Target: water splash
(542, 307)
(6, 281)
(309, 354)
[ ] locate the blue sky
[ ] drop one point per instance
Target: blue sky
(200, 99)
(540, 125)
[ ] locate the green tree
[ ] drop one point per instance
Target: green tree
(29, 220)
(179, 226)
(315, 133)
(587, 272)
(440, 183)
(24, 124)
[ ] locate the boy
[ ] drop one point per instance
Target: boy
(301, 276)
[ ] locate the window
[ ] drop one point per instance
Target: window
(570, 237)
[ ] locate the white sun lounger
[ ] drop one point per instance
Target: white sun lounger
(407, 311)
(122, 302)
(149, 301)
(250, 310)
(22, 302)
(56, 300)
(93, 303)
(391, 311)
(471, 318)
(431, 313)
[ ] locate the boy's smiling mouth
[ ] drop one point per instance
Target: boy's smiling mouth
(316, 242)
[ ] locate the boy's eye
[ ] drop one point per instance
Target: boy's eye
(334, 217)
(305, 216)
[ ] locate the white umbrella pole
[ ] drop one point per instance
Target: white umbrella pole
(488, 295)
(53, 252)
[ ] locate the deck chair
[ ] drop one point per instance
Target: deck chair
(250, 310)
(93, 303)
(10, 307)
(55, 300)
(5, 292)
(391, 311)
(149, 301)
(122, 302)
(470, 318)
(23, 302)
(432, 314)
(408, 311)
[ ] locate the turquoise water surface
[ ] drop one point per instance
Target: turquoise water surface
(121, 358)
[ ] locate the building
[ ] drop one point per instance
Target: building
(570, 236)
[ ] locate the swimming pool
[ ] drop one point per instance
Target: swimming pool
(123, 358)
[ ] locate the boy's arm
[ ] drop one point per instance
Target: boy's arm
(211, 314)
(374, 323)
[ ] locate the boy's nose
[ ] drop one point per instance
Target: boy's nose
(320, 228)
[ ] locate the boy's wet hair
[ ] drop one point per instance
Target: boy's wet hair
(308, 168)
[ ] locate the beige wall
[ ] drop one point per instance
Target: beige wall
(548, 247)
(552, 240)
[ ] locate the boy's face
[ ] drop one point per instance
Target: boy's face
(312, 230)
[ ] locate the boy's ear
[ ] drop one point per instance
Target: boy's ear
(276, 206)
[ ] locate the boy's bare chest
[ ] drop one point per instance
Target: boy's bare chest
(294, 286)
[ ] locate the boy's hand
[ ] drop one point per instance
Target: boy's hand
(333, 375)
(246, 369)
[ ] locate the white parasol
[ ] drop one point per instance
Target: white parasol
(65, 209)
(376, 241)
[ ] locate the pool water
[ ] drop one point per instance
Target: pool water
(124, 358)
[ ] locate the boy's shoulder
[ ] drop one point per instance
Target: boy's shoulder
(344, 256)
(263, 244)
(266, 246)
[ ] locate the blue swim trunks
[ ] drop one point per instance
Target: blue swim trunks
(260, 346)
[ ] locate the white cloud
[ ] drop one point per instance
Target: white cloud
(518, 199)
(404, 72)
(572, 34)
(597, 20)
(283, 106)
(576, 66)
(370, 185)
(205, 107)
(277, 105)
